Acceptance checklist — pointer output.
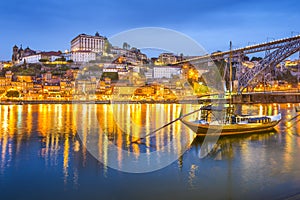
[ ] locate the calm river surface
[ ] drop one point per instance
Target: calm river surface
(90, 152)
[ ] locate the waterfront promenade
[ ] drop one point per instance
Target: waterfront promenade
(249, 98)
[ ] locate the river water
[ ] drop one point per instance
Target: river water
(53, 151)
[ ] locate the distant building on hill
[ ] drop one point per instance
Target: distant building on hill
(85, 47)
(82, 56)
(167, 58)
(19, 54)
(166, 71)
(49, 56)
(85, 42)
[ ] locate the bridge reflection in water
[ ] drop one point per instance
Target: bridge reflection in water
(45, 138)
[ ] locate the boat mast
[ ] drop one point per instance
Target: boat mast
(230, 71)
(230, 83)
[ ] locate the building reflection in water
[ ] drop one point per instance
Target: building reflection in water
(56, 127)
(272, 153)
(110, 132)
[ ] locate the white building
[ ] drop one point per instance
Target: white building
(119, 68)
(166, 72)
(67, 55)
(85, 42)
(119, 51)
(149, 74)
(167, 58)
(83, 56)
(50, 56)
(32, 59)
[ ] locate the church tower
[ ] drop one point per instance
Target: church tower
(21, 53)
(15, 55)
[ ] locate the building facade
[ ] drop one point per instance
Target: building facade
(85, 42)
(32, 59)
(167, 58)
(19, 54)
(166, 72)
(81, 56)
(50, 56)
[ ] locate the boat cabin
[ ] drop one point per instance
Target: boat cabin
(248, 119)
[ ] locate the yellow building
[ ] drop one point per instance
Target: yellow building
(2, 85)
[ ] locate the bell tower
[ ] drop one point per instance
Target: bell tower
(14, 58)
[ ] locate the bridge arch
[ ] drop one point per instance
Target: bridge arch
(270, 61)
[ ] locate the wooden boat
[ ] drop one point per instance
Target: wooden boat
(231, 124)
(226, 122)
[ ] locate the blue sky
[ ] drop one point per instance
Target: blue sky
(51, 24)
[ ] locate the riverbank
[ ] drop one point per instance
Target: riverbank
(277, 97)
(253, 98)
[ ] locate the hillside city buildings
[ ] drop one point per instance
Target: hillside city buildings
(94, 69)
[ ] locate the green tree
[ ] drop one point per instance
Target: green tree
(112, 75)
(107, 46)
(126, 46)
(43, 60)
(256, 58)
(60, 59)
(12, 93)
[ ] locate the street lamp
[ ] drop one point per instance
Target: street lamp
(294, 32)
(251, 43)
(271, 38)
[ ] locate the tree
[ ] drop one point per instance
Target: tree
(93, 61)
(12, 93)
(246, 58)
(256, 58)
(43, 60)
(181, 57)
(60, 59)
(93, 68)
(126, 46)
(107, 46)
(112, 75)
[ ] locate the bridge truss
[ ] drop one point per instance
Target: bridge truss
(278, 51)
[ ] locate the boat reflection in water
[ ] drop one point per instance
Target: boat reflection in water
(48, 146)
(224, 150)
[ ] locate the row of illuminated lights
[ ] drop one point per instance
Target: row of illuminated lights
(247, 47)
(270, 42)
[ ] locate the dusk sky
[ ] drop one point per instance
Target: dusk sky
(52, 24)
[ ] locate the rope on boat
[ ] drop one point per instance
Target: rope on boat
(171, 122)
(291, 120)
(292, 124)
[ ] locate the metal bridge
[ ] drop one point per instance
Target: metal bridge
(277, 51)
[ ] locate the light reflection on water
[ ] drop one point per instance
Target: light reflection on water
(110, 132)
(39, 145)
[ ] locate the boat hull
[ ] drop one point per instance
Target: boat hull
(230, 129)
